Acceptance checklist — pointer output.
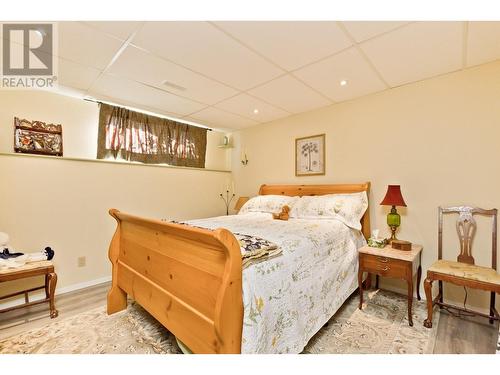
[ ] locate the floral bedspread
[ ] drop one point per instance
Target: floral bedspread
(288, 298)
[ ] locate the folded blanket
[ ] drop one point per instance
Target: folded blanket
(253, 249)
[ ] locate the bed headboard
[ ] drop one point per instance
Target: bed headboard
(301, 190)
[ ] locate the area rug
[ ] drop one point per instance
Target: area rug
(381, 327)
(132, 331)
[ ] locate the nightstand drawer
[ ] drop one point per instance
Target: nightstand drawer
(383, 265)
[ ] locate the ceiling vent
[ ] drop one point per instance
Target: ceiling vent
(173, 86)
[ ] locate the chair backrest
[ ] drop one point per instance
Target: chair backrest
(466, 229)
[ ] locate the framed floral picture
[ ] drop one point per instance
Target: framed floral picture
(310, 155)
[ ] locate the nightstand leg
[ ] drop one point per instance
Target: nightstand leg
(410, 301)
(360, 283)
(376, 281)
(368, 281)
(419, 278)
(52, 281)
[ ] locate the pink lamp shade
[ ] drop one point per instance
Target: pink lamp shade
(393, 197)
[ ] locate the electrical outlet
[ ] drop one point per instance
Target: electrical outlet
(82, 261)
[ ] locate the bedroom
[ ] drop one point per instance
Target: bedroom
(173, 121)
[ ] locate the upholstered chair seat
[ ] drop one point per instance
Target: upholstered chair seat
(466, 271)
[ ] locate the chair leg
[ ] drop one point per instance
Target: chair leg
(428, 295)
(492, 307)
(441, 295)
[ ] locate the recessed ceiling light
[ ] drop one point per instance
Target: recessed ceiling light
(343, 82)
(256, 111)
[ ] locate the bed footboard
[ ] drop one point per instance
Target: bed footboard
(188, 278)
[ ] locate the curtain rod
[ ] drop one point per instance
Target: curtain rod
(144, 112)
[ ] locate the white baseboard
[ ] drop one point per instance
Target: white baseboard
(41, 294)
(85, 284)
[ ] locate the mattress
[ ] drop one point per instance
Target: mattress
(288, 298)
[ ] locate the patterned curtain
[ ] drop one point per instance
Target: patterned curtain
(134, 136)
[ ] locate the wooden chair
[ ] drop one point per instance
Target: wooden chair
(463, 272)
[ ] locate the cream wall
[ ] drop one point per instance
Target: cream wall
(439, 139)
(64, 202)
(78, 117)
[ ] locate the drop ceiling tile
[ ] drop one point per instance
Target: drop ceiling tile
(483, 42)
(221, 119)
(72, 75)
(141, 66)
(290, 44)
(363, 30)
(75, 75)
(85, 45)
(245, 105)
(134, 92)
(119, 29)
(326, 75)
(417, 51)
(204, 48)
(133, 106)
(290, 94)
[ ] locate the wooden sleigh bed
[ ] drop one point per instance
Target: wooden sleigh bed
(190, 279)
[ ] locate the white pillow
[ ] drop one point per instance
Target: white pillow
(267, 203)
(348, 208)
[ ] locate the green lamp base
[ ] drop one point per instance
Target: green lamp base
(393, 221)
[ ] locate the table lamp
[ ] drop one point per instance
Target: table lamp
(393, 198)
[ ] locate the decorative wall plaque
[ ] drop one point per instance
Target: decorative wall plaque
(36, 137)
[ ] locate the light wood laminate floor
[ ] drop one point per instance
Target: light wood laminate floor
(455, 335)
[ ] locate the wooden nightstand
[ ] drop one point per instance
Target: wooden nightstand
(389, 262)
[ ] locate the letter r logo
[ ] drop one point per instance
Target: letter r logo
(27, 49)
